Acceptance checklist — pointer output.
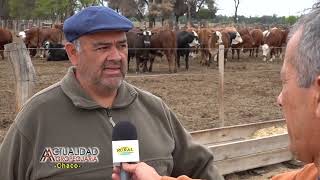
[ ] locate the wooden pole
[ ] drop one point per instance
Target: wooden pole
(23, 71)
(221, 83)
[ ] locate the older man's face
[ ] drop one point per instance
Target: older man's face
(102, 60)
(299, 106)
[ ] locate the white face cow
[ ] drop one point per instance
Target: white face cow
(218, 33)
(237, 39)
(22, 35)
(147, 38)
(46, 44)
(195, 41)
(147, 33)
(266, 33)
(265, 51)
(195, 34)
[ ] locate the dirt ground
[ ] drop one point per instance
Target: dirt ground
(250, 90)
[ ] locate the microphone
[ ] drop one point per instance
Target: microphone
(125, 146)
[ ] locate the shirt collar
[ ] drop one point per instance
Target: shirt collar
(126, 93)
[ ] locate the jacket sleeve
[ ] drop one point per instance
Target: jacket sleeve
(15, 156)
(190, 159)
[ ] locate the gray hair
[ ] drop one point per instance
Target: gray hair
(77, 44)
(307, 58)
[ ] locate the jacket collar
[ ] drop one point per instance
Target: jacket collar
(126, 93)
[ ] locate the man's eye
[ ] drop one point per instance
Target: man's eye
(102, 48)
(123, 45)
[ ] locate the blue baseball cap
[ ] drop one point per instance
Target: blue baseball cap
(94, 19)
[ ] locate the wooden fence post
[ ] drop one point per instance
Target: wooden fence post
(221, 83)
(24, 72)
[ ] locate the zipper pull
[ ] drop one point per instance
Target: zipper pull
(110, 117)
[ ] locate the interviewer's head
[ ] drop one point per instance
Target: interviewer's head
(300, 95)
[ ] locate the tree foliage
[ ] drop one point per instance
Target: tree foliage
(52, 9)
(4, 9)
(59, 10)
(291, 20)
(21, 9)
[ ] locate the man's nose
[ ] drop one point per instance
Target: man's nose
(279, 99)
(114, 54)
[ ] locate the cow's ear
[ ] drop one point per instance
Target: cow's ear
(139, 33)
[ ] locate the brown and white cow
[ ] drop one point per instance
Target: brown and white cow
(209, 41)
(5, 38)
(257, 36)
(273, 41)
(246, 44)
(230, 38)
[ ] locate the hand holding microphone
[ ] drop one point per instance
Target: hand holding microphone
(125, 149)
(125, 146)
(140, 171)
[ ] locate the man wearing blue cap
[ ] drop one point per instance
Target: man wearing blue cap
(64, 131)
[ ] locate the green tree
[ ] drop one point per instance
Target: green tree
(205, 14)
(56, 10)
(21, 9)
(86, 3)
(4, 9)
(291, 19)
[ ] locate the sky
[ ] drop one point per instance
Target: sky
(264, 7)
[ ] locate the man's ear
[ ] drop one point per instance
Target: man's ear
(317, 96)
(72, 53)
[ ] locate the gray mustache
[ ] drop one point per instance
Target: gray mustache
(111, 63)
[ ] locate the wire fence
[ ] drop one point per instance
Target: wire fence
(163, 49)
(250, 89)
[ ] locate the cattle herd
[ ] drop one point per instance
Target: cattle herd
(144, 45)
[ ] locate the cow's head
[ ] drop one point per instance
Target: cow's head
(46, 44)
(194, 39)
(219, 35)
(21, 35)
(146, 36)
(237, 39)
(265, 51)
(216, 39)
(32, 38)
(266, 33)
